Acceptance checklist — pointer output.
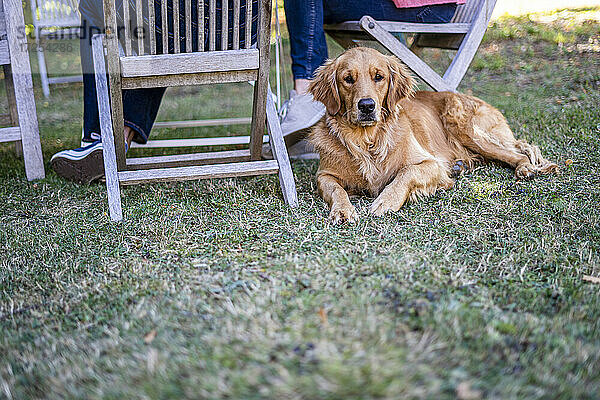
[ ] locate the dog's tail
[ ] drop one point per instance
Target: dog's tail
(542, 166)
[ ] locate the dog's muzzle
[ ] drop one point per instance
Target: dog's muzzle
(366, 111)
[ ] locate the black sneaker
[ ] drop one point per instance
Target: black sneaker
(82, 165)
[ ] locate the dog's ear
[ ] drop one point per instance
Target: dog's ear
(324, 87)
(401, 84)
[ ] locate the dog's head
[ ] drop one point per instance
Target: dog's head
(362, 85)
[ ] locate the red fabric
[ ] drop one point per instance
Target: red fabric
(421, 3)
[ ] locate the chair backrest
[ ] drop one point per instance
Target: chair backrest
(55, 13)
(466, 12)
(197, 23)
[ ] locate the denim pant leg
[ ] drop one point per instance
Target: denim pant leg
(305, 19)
(140, 106)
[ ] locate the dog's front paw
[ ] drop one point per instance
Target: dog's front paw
(343, 213)
(384, 204)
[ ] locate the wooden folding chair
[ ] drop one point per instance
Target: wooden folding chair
(144, 66)
(464, 33)
(22, 118)
(54, 19)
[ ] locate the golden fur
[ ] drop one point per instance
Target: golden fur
(399, 144)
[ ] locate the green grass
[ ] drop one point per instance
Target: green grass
(215, 289)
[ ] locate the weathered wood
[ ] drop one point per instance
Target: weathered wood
(236, 24)
(259, 107)
(224, 24)
(248, 31)
(188, 26)
(231, 170)
(165, 26)
(202, 122)
(23, 90)
(111, 41)
(176, 35)
(403, 27)
(201, 25)
(11, 134)
(286, 176)
(418, 66)
(189, 79)
(106, 128)
(180, 160)
(459, 65)
(152, 27)
(4, 54)
(127, 23)
(141, 33)
(212, 25)
(184, 63)
(197, 142)
(59, 80)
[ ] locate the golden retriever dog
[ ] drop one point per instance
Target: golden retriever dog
(380, 137)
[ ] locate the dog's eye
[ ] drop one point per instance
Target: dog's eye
(378, 78)
(349, 79)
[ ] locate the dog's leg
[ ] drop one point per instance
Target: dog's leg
(334, 194)
(416, 180)
(493, 139)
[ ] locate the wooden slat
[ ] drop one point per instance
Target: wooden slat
(65, 79)
(14, 133)
(3, 22)
(224, 24)
(198, 142)
(139, 11)
(202, 122)
(114, 77)
(188, 26)
(106, 130)
(259, 107)
(189, 79)
(179, 160)
(176, 35)
(165, 26)
(216, 61)
(201, 25)
(152, 27)
(4, 53)
(23, 90)
(248, 31)
(199, 172)
(236, 24)
(212, 24)
(127, 23)
(391, 26)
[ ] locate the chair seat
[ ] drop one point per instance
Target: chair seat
(189, 63)
(408, 27)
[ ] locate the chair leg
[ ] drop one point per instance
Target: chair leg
(106, 128)
(42, 66)
(286, 175)
(12, 106)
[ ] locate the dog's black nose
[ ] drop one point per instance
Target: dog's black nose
(366, 106)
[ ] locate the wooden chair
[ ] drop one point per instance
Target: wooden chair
(22, 118)
(142, 65)
(54, 19)
(464, 33)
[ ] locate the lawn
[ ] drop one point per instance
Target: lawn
(216, 289)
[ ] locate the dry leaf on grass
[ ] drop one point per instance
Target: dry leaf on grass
(150, 336)
(592, 279)
(464, 391)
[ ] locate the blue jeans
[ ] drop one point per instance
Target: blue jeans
(305, 19)
(140, 106)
